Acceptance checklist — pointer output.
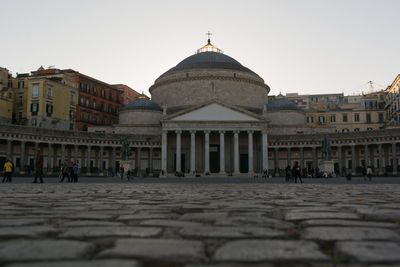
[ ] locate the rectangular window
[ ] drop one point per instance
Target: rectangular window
(81, 100)
(95, 90)
(111, 121)
(96, 118)
(310, 119)
(19, 116)
(321, 119)
(94, 103)
(345, 117)
(49, 92)
(333, 118)
(34, 122)
(88, 116)
(368, 118)
(49, 110)
(71, 115)
(20, 101)
(72, 99)
(356, 117)
(34, 108)
(87, 101)
(21, 84)
(110, 95)
(109, 109)
(103, 120)
(83, 115)
(380, 117)
(35, 90)
(103, 93)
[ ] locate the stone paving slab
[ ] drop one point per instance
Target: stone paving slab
(199, 224)
(270, 250)
(159, 249)
(376, 251)
(23, 250)
(94, 263)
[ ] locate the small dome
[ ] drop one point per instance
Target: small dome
(282, 104)
(142, 104)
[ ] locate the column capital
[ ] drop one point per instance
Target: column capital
(250, 132)
(192, 131)
(207, 132)
(164, 132)
(222, 131)
(236, 132)
(178, 131)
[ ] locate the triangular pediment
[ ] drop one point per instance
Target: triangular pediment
(214, 112)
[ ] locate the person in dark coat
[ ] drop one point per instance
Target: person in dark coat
(297, 173)
(38, 167)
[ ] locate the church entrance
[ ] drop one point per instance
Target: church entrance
(244, 163)
(214, 158)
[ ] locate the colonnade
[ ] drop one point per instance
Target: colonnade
(206, 160)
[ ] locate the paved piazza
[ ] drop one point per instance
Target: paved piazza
(198, 224)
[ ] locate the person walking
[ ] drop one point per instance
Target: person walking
(121, 171)
(65, 171)
(8, 168)
(297, 172)
(38, 167)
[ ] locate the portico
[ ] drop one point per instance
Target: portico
(214, 138)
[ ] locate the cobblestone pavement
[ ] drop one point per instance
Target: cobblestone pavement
(199, 224)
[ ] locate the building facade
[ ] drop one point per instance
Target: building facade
(393, 103)
(6, 97)
(128, 94)
(207, 116)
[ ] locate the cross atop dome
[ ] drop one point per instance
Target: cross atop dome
(209, 47)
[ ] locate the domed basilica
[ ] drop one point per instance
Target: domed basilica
(213, 116)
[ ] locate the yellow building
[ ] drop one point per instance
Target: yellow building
(393, 102)
(50, 104)
(366, 114)
(6, 97)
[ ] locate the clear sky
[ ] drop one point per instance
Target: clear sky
(305, 46)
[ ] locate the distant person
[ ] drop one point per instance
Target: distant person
(8, 169)
(38, 167)
(297, 173)
(369, 173)
(288, 173)
(121, 172)
(75, 171)
(65, 172)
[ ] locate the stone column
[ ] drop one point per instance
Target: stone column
(150, 160)
(236, 152)
(222, 152)
(22, 157)
(353, 159)
(164, 153)
(250, 151)
(381, 164)
(138, 160)
(49, 152)
(206, 151)
(301, 151)
(314, 157)
(394, 158)
(276, 161)
(289, 157)
(340, 160)
(89, 151)
(264, 140)
(62, 153)
(113, 159)
(366, 159)
(9, 150)
(101, 169)
(193, 152)
(178, 152)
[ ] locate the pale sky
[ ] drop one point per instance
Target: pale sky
(305, 46)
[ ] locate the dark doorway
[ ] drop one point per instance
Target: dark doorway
(2, 161)
(183, 161)
(214, 158)
(244, 163)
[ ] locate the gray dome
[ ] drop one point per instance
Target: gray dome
(282, 104)
(142, 104)
(209, 60)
